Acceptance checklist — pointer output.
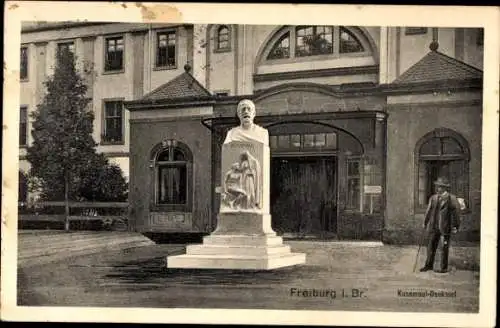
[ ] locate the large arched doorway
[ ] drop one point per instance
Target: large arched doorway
(306, 172)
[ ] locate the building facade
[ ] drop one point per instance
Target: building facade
(361, 119)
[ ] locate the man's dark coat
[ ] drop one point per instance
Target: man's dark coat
(442, 214)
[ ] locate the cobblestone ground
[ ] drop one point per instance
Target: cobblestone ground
(137, 277)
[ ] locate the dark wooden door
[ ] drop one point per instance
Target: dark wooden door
(304, 195)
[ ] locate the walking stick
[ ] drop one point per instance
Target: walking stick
(419, 246)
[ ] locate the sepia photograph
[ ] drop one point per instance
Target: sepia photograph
(163, 161)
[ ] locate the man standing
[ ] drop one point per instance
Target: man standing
(441, 219)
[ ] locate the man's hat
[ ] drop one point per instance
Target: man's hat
(442, 181)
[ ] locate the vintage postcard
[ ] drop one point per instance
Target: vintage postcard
(250, 164)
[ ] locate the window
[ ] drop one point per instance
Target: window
(306, 41)
(281, 48)
(303, 142)
(70, 46)
(23, 188)
(114, 54)
(23, 126)
(415, 30)
(172, 171)
(348, 42)
(113, 122)
(223, 38)
(64, 47)
(24, 63)
(313, 40)
(441, 153)
(480, 37)
(372, 186)
(172, 177)
(222, 93)
(353, 184)
(165, 49)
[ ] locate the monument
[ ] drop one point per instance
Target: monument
(243, 238)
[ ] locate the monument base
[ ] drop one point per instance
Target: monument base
(228, 248)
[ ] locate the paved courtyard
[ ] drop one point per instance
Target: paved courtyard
(337, 276)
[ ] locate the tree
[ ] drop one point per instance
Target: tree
(63, 153)
(102, 181)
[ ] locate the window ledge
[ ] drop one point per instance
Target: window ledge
(111, 72)
(419, 32)
(164, 68)
(111, 143)
(24, 80)
(300, 59)
(222, 50)
(169, 208)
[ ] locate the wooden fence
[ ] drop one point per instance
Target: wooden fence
(83, 215)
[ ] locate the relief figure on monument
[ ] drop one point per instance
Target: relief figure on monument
(241, 185)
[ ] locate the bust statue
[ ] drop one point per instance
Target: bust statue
(247, 130)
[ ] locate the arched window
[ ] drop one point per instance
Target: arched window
(442, 152)
(172, 176)
(281, 48)
(349, 42)
(23, 188)
(314, 41)
(223, 38)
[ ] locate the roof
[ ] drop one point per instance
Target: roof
(44, 26)
(181, 87)
(436, 66)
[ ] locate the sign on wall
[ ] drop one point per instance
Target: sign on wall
(373, 189)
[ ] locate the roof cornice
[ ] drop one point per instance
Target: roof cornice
(137, 105)
(426, 87)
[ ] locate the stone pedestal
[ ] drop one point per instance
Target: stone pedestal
(244, 238)
(241, 241)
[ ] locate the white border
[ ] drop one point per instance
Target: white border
(366, 15)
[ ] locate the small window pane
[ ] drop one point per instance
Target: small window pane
(295, 140)
(179, 155)
(353, 168)
(431, 147)
(451, 146)
(353, 193)
(422, 183)
(284, 141)
(309, 140)
(320, 140)
(281, 48)
(172, 184)
(349, 43)
(164, 156)
(311, 41)
(331, 140)
(273, 141)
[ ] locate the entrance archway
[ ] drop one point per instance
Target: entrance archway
(307, 160)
